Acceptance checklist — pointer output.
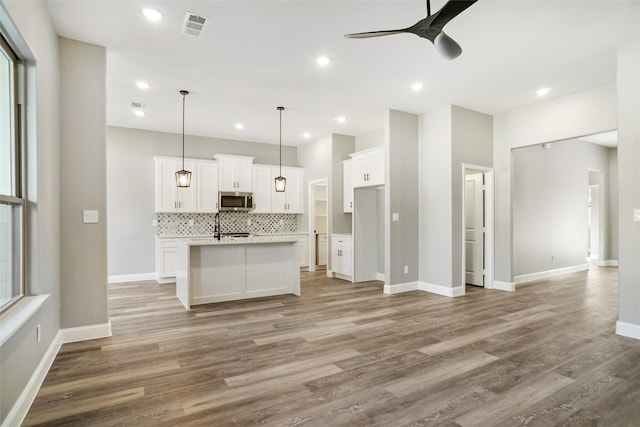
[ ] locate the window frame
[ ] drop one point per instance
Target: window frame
(17, 196)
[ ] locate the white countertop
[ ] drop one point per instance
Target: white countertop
(238, 240)
(211, 236)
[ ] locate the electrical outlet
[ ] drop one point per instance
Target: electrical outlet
(38, 335)
(406, 269)
(249, 221)
(395, 217)
(190, 223)
(154, 222)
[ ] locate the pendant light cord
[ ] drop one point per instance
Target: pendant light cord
(280, 109)
(184, 94)
(428, 7)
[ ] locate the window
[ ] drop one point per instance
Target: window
(12, 202)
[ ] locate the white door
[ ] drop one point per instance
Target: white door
(474, 229)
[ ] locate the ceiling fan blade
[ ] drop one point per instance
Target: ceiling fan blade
(374, 34)
(446, 46)
(449, 11)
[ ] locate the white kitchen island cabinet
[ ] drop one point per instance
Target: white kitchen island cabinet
(230, 269)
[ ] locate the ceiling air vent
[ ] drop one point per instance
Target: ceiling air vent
(193, 24)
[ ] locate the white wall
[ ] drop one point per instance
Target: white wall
(579, 114)
(21, 354)
(83, 180)
(628, 91)
(550, 192)
(401, 191)
(131, 191)
(435, 197)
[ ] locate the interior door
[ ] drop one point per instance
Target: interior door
(474, 229)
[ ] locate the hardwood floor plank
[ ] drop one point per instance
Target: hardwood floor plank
(519, 397)
(345, 354)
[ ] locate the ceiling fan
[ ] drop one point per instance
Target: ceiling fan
(430, 28)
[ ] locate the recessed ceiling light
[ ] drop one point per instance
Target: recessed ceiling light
(239, 126)
(152, 14)
(306, 135)
(323, 61)
(142, 85)
(417, 87)
(544, 91)
(138, 113)
(341, 119)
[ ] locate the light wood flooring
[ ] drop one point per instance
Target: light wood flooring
(348, 355)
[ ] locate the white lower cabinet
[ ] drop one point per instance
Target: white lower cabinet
(322, 249)
(166, 259)
(341, 262)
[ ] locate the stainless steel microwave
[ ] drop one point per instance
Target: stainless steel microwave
(233, 201)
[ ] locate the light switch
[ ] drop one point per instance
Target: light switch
(395, 217)
(636, 215)
(90, 217)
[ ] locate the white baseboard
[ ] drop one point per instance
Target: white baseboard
(607, 263)
(165, 280)
(628, 330)
(329, 273)
(551, 273)
(504, 286)
(19, 411)
(84, 333)
(142, 277)
(380, 277)
(442, 290)
(400, 287)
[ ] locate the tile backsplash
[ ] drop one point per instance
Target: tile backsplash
(179, 224)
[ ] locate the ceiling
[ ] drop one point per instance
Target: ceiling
(255, 55)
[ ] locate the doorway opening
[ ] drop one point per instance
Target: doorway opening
(477, 225)
(318, 224)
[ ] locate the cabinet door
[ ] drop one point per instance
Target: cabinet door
(345, 254)
(376, 167)
(227, 175)
(166, 190)
(303, 253)
(206, 186)
(279, 200)
(187, 195)
(294, 190)
(262, 188)
(244, 174)
(322, 249)
(347, 187)
(359, 170)
(336, 259)
(166, 258)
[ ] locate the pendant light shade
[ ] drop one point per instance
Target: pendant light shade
(183, 177)
(281, 181)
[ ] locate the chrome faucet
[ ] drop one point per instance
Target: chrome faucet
(217, 232)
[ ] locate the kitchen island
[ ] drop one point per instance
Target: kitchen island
(235, 268)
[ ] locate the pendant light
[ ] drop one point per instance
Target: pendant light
(183, 177)
(281, 181)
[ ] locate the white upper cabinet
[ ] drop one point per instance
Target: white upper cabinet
(289, 201)
(263, 186)
(235, 173)
(170, 198)
(347, 186)
(368, 167)
(206, 180)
